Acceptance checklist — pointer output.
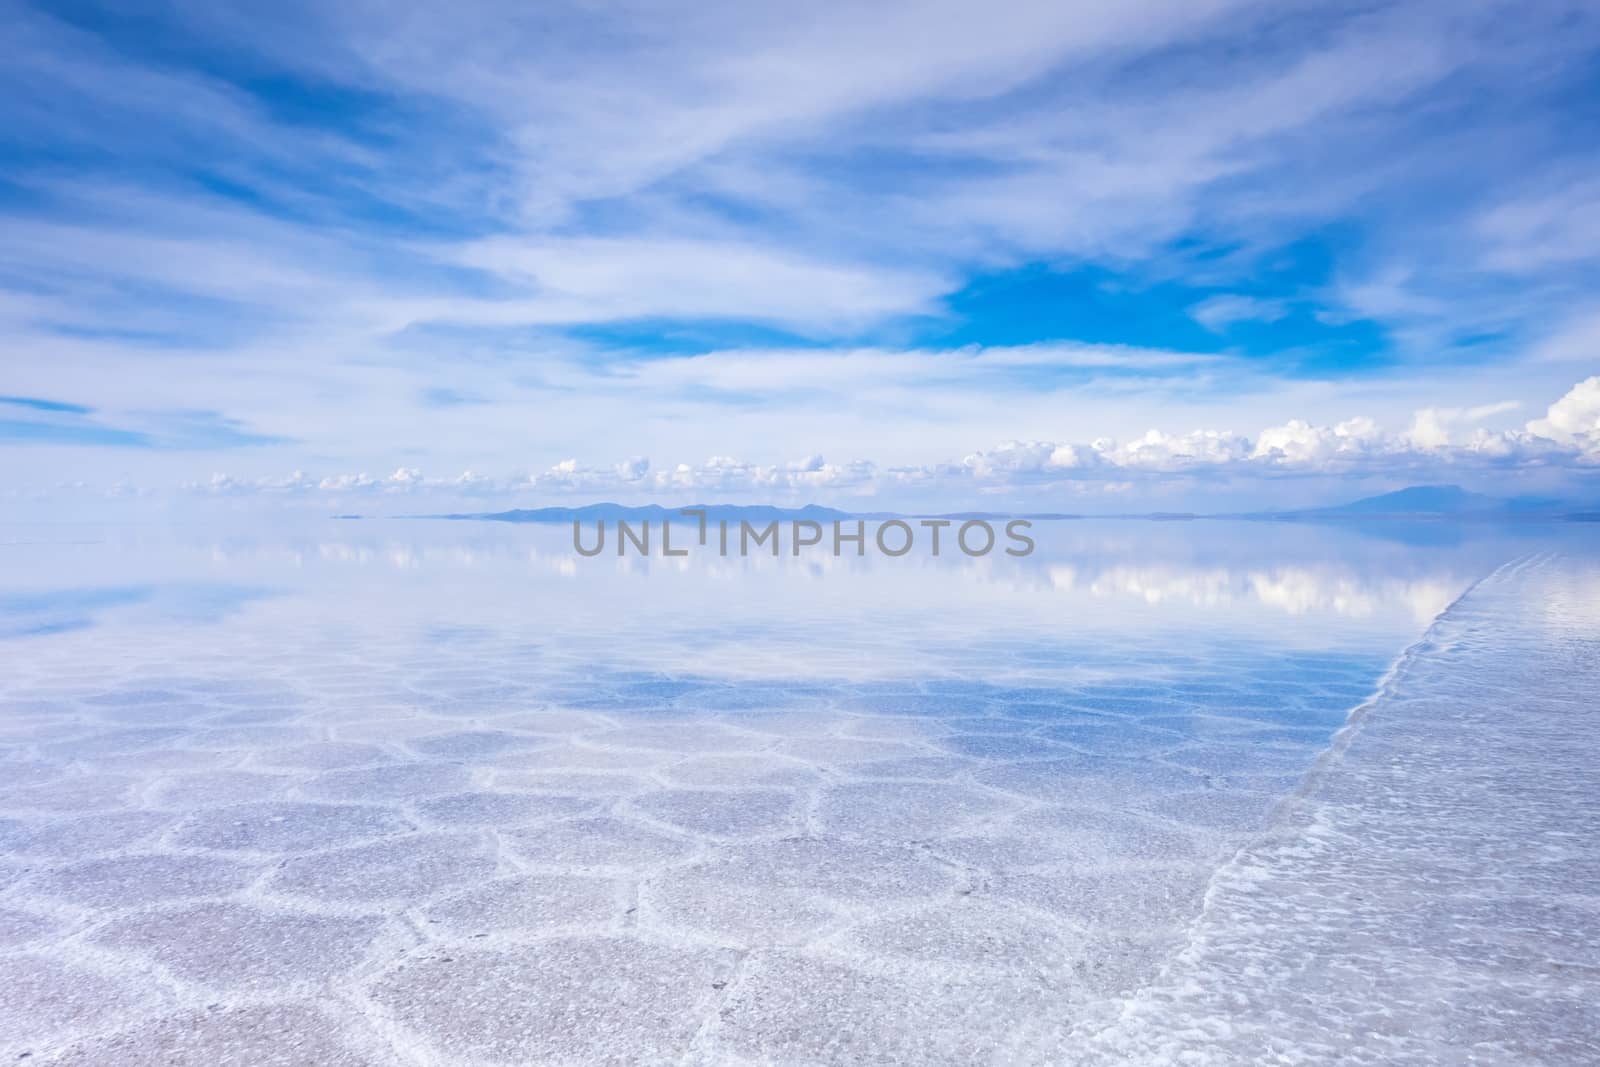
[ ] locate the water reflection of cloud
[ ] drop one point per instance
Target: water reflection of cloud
(1354, 588)
(1293, 590)
(1101, 574)
(1299, 591)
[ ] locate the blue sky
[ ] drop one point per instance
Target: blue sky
(1151, 254)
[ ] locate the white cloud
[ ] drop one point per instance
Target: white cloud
(1575, 418)
(1576, 340)
(826, 169)
(1217, 313)
(1567, 436)
(1543, 229)
(575, 280)
(695, 132)
(1298, 443)
(1427, 430)
(1430, 427)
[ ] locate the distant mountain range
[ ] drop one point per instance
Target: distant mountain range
(1441, 501)
(1416, 502)
(614, 512)
(729, 512)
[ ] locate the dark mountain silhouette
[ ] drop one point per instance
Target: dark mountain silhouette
(655, 512)
(1418, 502)
(1439, 501)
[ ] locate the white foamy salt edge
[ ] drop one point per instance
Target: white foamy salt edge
(1433, 894)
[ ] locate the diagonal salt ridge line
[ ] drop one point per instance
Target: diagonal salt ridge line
(1282, 814)
(1437, 904)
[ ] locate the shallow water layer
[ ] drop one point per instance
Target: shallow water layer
(1433, 895)
(447, 793)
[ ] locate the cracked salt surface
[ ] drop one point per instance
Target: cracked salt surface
(478, 810)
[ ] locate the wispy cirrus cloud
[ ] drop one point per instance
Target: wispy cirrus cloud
(56, 422)
(353, 236)
(1217, 313)
(34, 403)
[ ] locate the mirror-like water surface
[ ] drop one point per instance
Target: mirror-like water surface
(418, 792)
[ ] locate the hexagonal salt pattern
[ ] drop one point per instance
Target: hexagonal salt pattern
(600, 1000)
(281, 843)
(456, 860)
(264, 1035)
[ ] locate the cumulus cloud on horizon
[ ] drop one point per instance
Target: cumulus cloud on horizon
(1437, 445)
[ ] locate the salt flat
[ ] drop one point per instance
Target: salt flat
(1433, 896)
(316, 826)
